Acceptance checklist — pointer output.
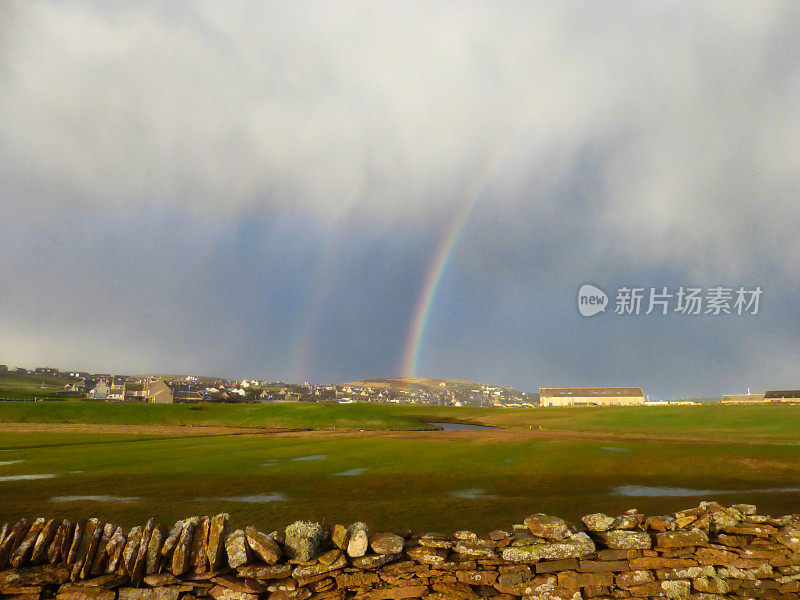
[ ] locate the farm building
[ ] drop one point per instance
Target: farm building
(789, 396)
(744, 399)
(604, 396)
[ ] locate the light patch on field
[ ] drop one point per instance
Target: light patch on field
(120, 499)
(350, 473)
(643, 490)
(28, 477)
(312, 457)
(614, 449)
(255, 499)
(472, 494)
(3, 463)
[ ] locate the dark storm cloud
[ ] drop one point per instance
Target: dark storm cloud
(262, 187)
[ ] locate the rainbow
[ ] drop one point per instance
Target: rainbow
(441, 257)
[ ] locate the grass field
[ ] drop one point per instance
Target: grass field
(393, 475)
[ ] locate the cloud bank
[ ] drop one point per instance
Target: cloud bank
(262, 187)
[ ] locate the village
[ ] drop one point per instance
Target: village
(173, 389)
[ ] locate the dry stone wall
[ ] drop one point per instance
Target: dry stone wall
(705, 553)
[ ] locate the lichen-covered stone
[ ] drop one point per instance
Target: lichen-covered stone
(19, 557)
(114, 549)
(575, 546)
(154, 556)
(217, 532)
(263, 546)
(340, 536)
(304, 540)
(597, 522)
(547, 526)
(43, 541)
(625, 540)
(237, 549)
(678, 539)
(98, 565)
(172, 539)
(359, 540)
(427, 555)
(386, 543)
(180, 556)
(198, 552)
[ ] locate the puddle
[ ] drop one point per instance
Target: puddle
(27, 477)
(122, 499)
(643, 490)
(312, 457)
(269, 463)
(256, 499)
(74, 472)
(3, 463)
(457, 426)
(350, 473)
(471, 494)
(509, 461)
(614, 449)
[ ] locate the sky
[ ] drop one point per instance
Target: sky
(330, 191)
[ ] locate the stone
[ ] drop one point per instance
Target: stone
(626, 522)
(55, 551)
(217, 533)
(248, 586)
(304, 540)
(172, 540)
(434, 540)
(575, 546)
(133, 539)
(573, 579)
(547, 526)
(357, 579)
(98, 566)
(219, 592)
(43, 541)
(475, 548)
(426, 555)
(237, 549)
(71, 592)
(359, 540)
(114, 549)
(624, 540)
(340, 536)
(180, 556)
(597, 522)
(398, 592)
(140, 563)
(387, 543)
(198, 552)
(20, 556)
(77, 534)
(159, 593)
(676, 539)
(631, 579)
(160, 580)
(265, 571)
(313, 570)
(477, 577)
(660, 523)
(38, 575)
(87, 560)
(154, 557)
(373, 561)
(263, 546)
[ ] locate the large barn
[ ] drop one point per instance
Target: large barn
(789, 396)
(602, 396)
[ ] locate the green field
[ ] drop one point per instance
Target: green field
(711, 422)
(395, 480)
(14, 386)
